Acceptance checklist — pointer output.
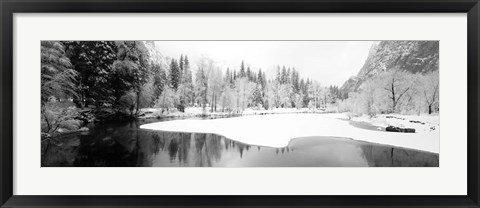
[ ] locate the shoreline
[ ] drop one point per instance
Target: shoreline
(276, 130)
(197, 112)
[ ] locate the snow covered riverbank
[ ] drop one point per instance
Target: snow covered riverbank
(421, 123)
(277, 130)
(199, 112)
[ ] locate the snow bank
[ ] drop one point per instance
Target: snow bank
(198, 111)
(277, 130)
(250, 111)
(421, 123)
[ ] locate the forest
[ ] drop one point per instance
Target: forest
(395, 91)
(85, 82)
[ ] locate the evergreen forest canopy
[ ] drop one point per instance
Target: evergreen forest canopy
(92, 81)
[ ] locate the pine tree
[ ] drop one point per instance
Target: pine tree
(283, 79)
(186, 63)
(186, 84)
(201, 87)
(257, 100)
(181, 67)
(160, 80)
(260, 79)
(174, 75)
(187, 73)
(132, 69)
(180, 63)
(227, 75)
(242, 71)
(278, 76)
(93, 60)
(295, 81)
(264, 80)
(288, 77)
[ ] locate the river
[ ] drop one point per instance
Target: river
(124, 144)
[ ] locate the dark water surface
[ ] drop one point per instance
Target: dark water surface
(125, 145)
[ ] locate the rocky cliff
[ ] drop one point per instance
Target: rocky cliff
(411, 56)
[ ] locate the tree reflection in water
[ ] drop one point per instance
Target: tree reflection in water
(126, 147)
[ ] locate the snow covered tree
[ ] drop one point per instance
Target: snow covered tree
(397, 85)
(167, 100)
(257, 98)
(146, 95)
(160, 80)
(244, 90)
(278, 75)
(283, 77)
(261, 79)
(58, 86)
(132, 67)
(93, 61)
(430, 90)
(174, 74)
(369, 96)
(227, 75)
(180, 65)
(295, 81)
(298, 101)
(242, 72)
(314, 92)
(201, 87)
(183, 92)
(228, 99)
(215, 86)
(205, 66)
(186, 83)
(234, 76)
(284, 95)
(57, 74)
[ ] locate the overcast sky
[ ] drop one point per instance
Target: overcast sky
(329, 62)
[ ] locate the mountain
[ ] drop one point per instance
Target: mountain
(410, 56)
(156, 56)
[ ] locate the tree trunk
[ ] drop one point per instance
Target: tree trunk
(394, 101)
(215, 103)
(429, 109)
(138, 102)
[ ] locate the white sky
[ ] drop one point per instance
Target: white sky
(329, 62)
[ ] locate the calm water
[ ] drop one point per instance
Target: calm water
(125, 145)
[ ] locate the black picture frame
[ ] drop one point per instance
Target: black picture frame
(9, 7)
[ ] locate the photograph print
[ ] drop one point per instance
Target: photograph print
(178, 104)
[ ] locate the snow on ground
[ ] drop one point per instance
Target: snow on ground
(198, 111)
(421, 123)
(276, 130)
(157, 112)
(250, 111)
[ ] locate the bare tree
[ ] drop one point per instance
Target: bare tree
(396, 85)
(430, 89)
(244, 90)
(215, 84)
(314, 91)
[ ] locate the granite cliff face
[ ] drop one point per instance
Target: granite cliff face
(156, 57)
(410, 56)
